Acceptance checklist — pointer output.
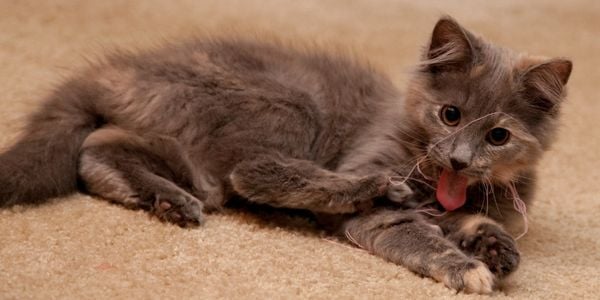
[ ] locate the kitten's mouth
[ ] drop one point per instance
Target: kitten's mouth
(451, 189)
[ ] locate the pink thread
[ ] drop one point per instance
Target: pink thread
(407, 176)
(393, 181)
(351, 239)
(412, 170)
(518, 204)
(421, 172)
(431, 212)
(520, 207)
(461, 129)
(424, 157)
(341, 244)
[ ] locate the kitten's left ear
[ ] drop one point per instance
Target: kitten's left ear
(545, 82)
(450, 49)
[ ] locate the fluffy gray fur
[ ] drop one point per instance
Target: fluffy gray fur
(184, 128)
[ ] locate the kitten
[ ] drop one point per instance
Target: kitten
(182, 129)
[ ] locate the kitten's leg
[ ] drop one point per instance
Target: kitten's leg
(294, 183)
(150, 173)
(483, 238)
(405, 238)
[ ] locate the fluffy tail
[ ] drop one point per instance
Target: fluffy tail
(43, 162)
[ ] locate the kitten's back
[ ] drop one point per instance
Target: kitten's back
(186, 91)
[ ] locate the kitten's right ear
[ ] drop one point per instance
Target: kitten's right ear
(545, 82)
(450, 48)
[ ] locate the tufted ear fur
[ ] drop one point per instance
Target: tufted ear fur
(450, 49)
(544, 83)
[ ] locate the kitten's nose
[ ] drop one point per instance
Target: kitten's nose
(461, 156)
(458, 165)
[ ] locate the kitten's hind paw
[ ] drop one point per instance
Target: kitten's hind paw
(182, 210)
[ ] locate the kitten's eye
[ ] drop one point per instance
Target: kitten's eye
(450, 115)
(498, 136)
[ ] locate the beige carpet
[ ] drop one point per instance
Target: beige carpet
(85, 248)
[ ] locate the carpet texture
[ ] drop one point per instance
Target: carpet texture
(82, 247)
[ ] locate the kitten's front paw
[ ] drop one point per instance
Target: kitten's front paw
(367, 188)
(478, 279)
(492, 245)
(179, 209)
(399, 192)
(467, 275)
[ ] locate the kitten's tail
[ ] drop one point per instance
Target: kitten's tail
(42, 164)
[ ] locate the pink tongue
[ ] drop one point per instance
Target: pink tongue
(451, 190)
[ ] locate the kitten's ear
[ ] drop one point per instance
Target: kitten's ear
(450, 48)
(544, 83)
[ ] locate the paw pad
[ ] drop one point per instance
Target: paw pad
(495, 248)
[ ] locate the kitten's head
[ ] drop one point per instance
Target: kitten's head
(486, 112)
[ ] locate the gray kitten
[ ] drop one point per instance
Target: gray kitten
(187, 127)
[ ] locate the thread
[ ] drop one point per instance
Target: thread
(520, 207)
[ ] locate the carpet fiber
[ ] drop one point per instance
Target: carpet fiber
(82, 247)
